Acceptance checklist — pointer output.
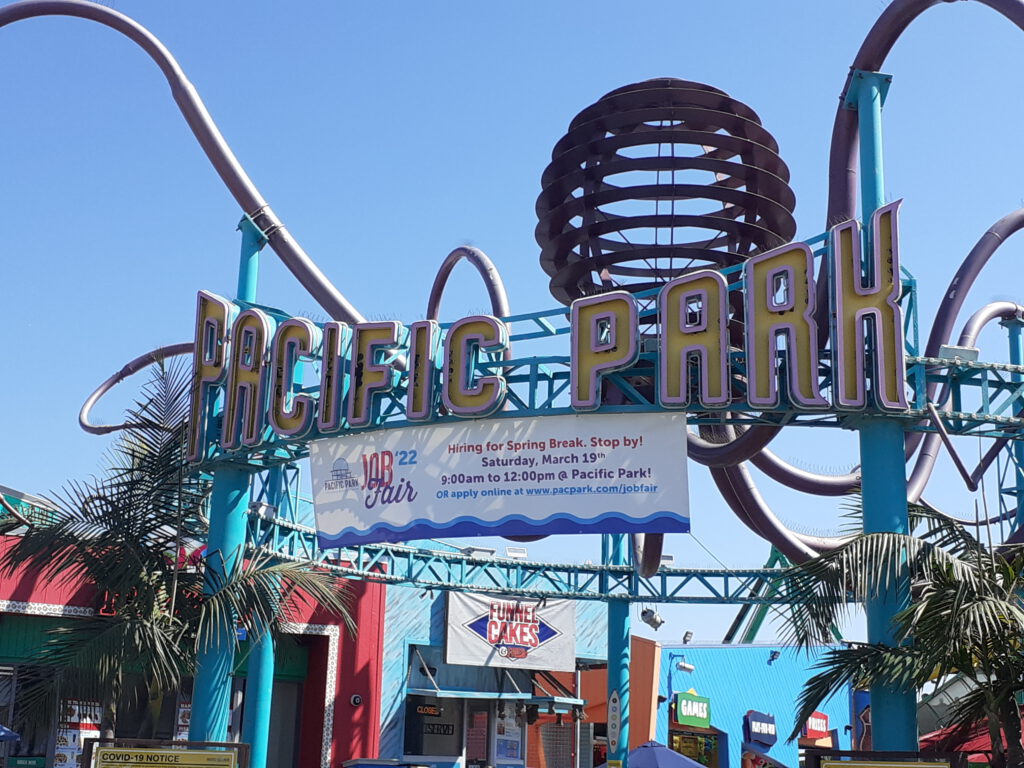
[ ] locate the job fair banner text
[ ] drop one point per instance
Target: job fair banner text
(599, 473)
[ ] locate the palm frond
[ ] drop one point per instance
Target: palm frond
(864, 568)
(964, 616)
(900, 668)
(264, 592)
(124, 533)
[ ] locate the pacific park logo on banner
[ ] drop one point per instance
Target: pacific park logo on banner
(512, 629)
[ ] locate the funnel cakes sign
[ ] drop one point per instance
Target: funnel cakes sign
(485, 631)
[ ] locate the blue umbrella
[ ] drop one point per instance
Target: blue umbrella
(655, 755)
(6, 734)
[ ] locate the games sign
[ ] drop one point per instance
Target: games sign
(692, 710)
(485, 631)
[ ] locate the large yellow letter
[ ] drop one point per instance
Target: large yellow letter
(694, 324)
(464, 393)
(333, 376)
(291, 413)
(370, 375)
(245, 401)
(779, 302)
(213, 318)
(875, 302)
(421, 396)
(604, 340)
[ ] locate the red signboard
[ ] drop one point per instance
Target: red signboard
(816, 726)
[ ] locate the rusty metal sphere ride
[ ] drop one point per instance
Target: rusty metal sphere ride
(657, 179)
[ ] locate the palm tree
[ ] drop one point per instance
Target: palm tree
(126, 534)
(965, 618)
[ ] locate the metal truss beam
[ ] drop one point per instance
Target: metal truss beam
(407, 566)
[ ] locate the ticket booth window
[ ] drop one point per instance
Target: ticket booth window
(433, 727)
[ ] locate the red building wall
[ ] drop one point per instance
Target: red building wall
(357, 666)
(358, 672)
(26, 586)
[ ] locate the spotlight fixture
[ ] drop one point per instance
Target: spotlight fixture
(685, 666)
(773, 657)
(687, 637)
(479, 553)
(651, 618)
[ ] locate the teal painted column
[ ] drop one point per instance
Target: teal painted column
(616, 548)
(229, 506)
(259, 693)
(211, 693)
(883, 490)
(883, 465)
(1017, 358)
(259, 686)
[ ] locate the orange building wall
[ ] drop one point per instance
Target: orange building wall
(644, 670)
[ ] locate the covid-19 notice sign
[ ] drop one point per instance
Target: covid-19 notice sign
(602, 473)
(133, 757)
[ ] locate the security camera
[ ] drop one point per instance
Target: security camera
(356, 700)
(651, 618)
(684, 666)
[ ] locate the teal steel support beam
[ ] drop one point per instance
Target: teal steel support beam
(616, 548)
(211, 693)
(259, 692)
(883, 490)
(1014, 328)
(883, 466)
(253, 241)
(259, 685)
(229, 507)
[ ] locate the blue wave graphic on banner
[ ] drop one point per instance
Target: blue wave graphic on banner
(662, 521)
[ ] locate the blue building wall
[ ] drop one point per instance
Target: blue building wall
(738, 678)
(414, 617)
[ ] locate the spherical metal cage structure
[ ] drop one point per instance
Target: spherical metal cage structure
(657, 179)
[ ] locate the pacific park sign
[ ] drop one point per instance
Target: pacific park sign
(254, 357)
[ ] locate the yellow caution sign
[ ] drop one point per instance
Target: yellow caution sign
(130, 757)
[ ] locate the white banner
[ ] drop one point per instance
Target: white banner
(599, 473)
(486, 631)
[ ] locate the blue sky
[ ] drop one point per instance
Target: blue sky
(386, 134)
